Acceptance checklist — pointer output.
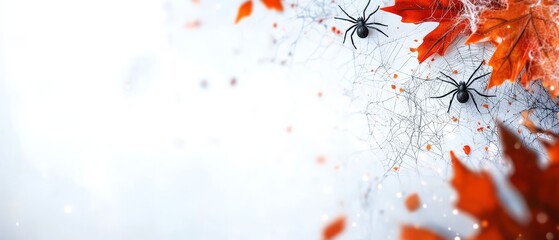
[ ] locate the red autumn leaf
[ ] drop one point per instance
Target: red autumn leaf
(476, 191)
(526, 35)
(448, 13)
(412, 202)
(334, 228)
(273, 5)
(538, 186)
(477, 196)
(244, 11)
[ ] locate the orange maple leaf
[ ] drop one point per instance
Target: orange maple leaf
(449, 14)
(526, 35)
(477, 196)
(246, 8)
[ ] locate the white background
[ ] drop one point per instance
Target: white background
(118, 122)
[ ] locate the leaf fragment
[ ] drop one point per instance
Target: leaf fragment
(244, 11)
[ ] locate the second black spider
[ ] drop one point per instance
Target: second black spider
(360, 24)
(463, 89)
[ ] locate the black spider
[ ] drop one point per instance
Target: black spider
(463, 89)
(360, 24)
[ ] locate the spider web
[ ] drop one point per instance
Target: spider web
(407, 134)
(408, 131)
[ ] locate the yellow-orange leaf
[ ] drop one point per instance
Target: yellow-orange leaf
(244, 11)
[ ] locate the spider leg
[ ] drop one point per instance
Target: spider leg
(345, 35)
(450, 78)
(474, 73)
(366, 8)
(473, 80)
(473, 99)
(379, 31)
(384, 25)
(450, 104)
(352, 38)
(481, 94)
(447, 82)
(347, 14)
(446, 94)
(344, 19)
(371, 14)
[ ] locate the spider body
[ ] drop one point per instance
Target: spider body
(463, 90)
(362, 30)
(462, 94)
(360, 24)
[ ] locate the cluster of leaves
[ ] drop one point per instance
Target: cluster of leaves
(246, 8)
(525, 33)
(538, 186)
